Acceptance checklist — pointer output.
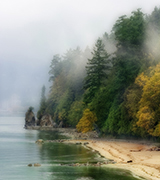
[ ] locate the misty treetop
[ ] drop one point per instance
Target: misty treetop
(67, 75)
(115, 85)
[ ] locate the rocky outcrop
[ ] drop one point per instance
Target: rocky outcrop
(40, 141)
(55, 125)
(30, 118)
(60, 124)
(46, 120)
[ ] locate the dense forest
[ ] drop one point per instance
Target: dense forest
(114, 87)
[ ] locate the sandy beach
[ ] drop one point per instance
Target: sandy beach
(141, 159)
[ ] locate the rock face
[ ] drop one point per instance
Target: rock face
(29, 118)
(55, 125)
(40, 141)
(60, 124)
(46, 120)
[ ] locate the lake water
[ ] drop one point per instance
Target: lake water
(18, 149)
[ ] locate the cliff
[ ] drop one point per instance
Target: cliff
(30, 119)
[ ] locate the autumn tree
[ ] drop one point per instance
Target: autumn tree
(125, 100)
(149, 110)
(87, 121)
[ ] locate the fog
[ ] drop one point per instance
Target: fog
(152, 43)
(32, 31)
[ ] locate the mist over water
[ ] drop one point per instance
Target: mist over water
(21, 85)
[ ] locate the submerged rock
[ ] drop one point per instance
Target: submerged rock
(78, 143)
(37, 164)
(98, 164)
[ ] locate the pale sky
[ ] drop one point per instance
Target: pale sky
(32, 31)
(37, 29)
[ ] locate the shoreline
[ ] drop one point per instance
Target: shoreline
(141, 162)
(140, 157)
(133, 156)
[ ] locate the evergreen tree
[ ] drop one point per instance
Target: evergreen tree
(55, 67)
(152, 42)
(130, 32)
(127, 62)
(96, 70)
(42, 108)
(154, 20)
(67, 75)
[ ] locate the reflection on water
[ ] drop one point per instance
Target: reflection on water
(18, 149)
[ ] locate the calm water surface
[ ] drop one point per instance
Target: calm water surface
(18, 149)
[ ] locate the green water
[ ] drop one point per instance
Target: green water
(18, 149)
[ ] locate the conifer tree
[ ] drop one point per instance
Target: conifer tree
(96, 70)
(42, 108)
(55, 67)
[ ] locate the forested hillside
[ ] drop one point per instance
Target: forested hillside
(115, 86)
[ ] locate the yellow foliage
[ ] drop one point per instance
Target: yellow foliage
(143, 102)
(149, 110)
(146, 119)
(141, 80)
(86, 122)
(157, 130)
(151, 91)
(133, 96)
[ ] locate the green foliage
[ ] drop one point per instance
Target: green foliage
(55, 67)
(152, 42)
(111, 124)
(75, 113)
(119, 87)
(96, 70)
(42, 108)
(30, 109)
(67, 85)
(113, 116)
(154, 18)
(87, 121)
(130, 32)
